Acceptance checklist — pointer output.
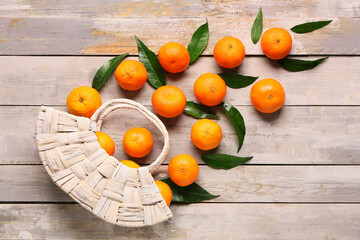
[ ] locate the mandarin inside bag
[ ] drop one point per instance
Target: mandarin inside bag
(75, 161)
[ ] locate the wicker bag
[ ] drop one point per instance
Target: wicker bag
(72, 156)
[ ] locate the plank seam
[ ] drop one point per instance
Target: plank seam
(203, 164)
(135, 55)
(229, 203)
(149, 105)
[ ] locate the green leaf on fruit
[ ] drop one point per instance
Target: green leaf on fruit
(224, 161)
(156, 75)
(257, 27)
(198, 111)
(189, 194)
(104, 72)
(198, 42)
(237, 121)
(236, 80)
(297, 65)
(310, 26)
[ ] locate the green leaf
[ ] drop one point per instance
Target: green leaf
(189, 194)
(237, 121)
(310, 26)
(236, 80)
(297, 65)
(257, 27)
(224, 161)
(198, 111)
(102, 75)
(156, 76)
(198, 42)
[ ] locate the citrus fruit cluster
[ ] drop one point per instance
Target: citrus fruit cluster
(168, 101)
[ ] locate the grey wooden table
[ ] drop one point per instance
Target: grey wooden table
(304, 180)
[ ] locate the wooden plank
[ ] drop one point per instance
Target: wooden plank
(180, 8)
(104, 36)
(227, 221)
(296, 135)
(48, 80)
(31, 183)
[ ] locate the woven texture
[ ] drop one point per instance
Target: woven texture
(75, 161)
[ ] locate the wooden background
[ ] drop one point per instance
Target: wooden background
(304, 180)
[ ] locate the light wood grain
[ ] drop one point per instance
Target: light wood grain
(242, 184)
(48, 80)
(299, 134)
(104, 36)
(180, 8)
(295, 135)
(195, 221)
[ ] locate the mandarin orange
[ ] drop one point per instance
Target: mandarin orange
(206, 134)
(276, 43)
(168, 101)
(229, 52)
(174, 57)
(138, 142)
(183, 170)
(106, 142)
(130, 164)
(210, 89)
(267, 95)
(165, 191)
(131, 75)
(83, 101)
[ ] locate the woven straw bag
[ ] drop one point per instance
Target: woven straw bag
(72, 156)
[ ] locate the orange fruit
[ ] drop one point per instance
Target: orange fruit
(165, 191)
(106, 142)
(276, 43)
(168, 101)
(229, 52)
(206, 134)
(131, 75)
(174, 57)
(83, 101)
(130, 164)
(183, 170)
(210, 89)
(267, 95)
(138, 142)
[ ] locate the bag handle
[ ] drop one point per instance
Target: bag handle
(112, 105)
